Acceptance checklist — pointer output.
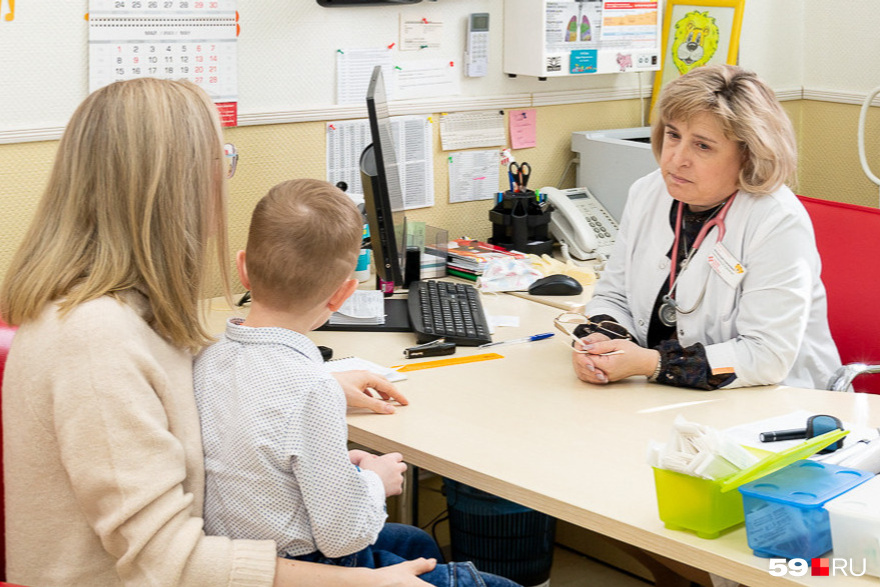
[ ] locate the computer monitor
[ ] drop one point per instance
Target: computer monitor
(383, 196)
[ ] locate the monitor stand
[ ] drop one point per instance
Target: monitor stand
(396, 320)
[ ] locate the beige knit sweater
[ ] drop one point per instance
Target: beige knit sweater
(103, 459)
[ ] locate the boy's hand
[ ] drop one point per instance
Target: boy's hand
(357, 456)
(357, 386)
(390, 469)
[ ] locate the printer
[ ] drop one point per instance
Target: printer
(610, 161)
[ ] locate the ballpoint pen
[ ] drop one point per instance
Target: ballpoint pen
(531, 338)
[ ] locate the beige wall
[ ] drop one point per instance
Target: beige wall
(829, 160)
(273, 153)
(829, 165)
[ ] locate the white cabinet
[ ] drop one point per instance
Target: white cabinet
(549, 38)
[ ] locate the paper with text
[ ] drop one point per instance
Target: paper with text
(365, 306)
(523, 128)
(353, 70)
(417, 34)
(473, 175)
(413, 138)
(427, 79)
(468, 130)
(358, 364)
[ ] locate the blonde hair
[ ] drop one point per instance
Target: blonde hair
(749, 114)
(303, 243)
(135, 192)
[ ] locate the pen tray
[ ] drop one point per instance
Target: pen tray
(710, 507)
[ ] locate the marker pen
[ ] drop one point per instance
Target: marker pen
(777, 435)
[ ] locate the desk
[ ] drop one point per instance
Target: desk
(526, 429)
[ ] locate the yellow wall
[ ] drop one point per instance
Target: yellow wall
(829, 158)
(270, 154)
(829, 165)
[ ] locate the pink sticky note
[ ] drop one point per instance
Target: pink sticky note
(523, 127)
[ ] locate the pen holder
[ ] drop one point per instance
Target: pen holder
(520, 223)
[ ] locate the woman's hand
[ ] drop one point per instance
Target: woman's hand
(595, 366)
(293, 573)
(584, 365)
(403, 574)
(358, 387)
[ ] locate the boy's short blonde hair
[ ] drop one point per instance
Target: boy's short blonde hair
(303, 243)
(749, 114)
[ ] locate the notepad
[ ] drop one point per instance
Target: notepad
(358, 364)
(363, 307)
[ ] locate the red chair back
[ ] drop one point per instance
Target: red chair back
(848, 238)
(6, 333)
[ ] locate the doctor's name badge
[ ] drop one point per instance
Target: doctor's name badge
(726, 265)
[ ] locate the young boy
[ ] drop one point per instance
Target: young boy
(273, 419)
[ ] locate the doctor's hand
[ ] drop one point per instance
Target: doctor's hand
(584, 365)
(595, 366)
(359, 387)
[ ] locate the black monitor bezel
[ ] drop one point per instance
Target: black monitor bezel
(374, 177)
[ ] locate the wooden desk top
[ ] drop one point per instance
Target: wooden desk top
(526, 429)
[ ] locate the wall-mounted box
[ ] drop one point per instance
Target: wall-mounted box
(547, 38)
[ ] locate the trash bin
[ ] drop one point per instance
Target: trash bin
(499, 536)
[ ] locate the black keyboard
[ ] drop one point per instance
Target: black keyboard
(442, 309)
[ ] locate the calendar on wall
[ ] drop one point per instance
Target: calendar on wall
(169, 39)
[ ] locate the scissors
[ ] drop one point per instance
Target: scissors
(519, 175)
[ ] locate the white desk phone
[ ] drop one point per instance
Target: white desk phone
(580, 223)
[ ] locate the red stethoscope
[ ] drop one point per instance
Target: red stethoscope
(669, 308)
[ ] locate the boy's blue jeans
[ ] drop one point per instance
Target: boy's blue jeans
(398, 543)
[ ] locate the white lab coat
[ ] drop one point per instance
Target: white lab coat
(771, 328)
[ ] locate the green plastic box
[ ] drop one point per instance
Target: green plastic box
(711, 507)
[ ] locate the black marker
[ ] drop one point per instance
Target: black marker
(776, 435)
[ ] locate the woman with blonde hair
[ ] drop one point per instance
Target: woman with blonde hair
(714, 278)
(104, 467)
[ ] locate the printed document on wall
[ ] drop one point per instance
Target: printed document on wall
(417, 34)
(413, 139)
(468, 130)
(427, 79)
(353, 70)
(523, 128)
(473, 175)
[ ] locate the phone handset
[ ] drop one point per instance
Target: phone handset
(477, 49)
(580, 222)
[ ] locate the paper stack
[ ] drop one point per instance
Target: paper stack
(359, 364)
(363, 307)
(468, 258)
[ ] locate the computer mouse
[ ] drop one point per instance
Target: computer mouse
(556, 285)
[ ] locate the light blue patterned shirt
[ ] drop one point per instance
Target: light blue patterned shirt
(275, 441)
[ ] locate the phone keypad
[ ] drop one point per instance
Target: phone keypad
(603, 224)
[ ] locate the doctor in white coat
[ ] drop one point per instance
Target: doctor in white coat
(714, 279)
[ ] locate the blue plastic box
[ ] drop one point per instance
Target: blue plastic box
(784, 511)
